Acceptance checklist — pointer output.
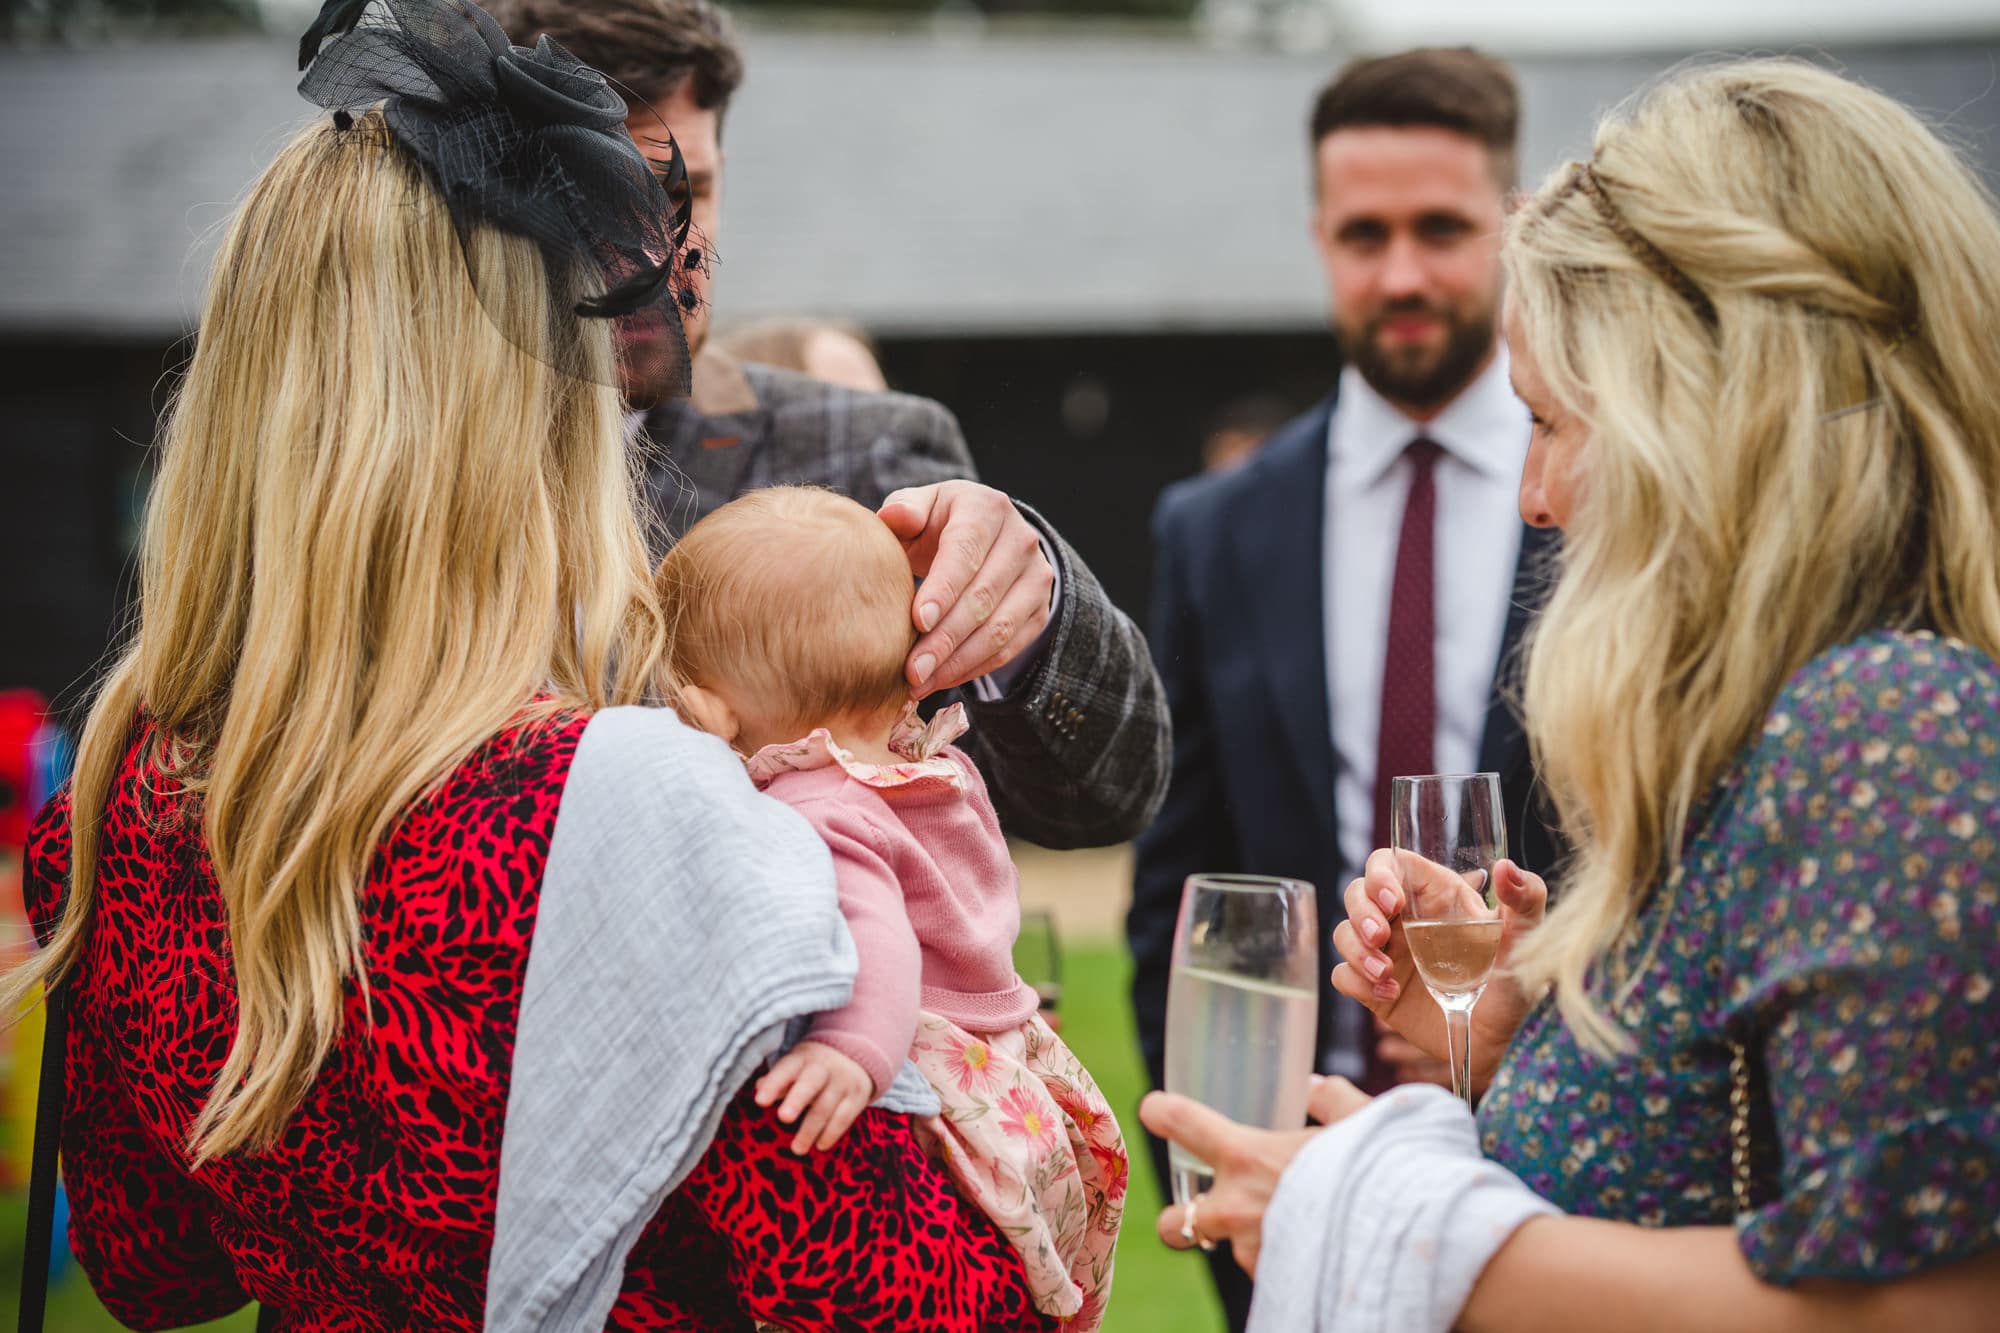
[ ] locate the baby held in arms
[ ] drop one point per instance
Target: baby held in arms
(790, 610)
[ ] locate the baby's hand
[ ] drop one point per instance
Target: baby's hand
(829, 1087)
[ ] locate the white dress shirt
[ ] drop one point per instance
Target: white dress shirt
(1484, 436)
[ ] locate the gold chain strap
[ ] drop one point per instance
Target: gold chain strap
(1739, 1125)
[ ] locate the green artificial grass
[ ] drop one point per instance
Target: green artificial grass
(1156, 1289)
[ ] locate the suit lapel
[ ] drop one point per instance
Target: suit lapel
(1503, 746)
(1280, 540)
(714, 452)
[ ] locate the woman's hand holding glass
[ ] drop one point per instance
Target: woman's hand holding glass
(1378, 971)
(1247, 1162)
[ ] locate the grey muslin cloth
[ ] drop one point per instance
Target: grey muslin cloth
(685, 920)
(1384, 1221)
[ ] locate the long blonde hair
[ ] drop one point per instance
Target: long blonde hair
(380, 532)
(1772, 298)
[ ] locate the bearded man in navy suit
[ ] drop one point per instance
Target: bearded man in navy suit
(1347, 606)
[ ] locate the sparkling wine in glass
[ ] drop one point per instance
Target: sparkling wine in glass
(1242, 1006)
(1447, 831)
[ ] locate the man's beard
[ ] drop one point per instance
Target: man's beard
(1420, 377)
(649, 368)
(646, 373)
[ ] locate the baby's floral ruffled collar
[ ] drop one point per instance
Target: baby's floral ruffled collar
(921, 744)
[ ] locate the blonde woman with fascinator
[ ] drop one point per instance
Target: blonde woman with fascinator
(1742, 1074)
(375, 735)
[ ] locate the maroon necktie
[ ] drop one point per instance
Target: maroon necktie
(1409, 689)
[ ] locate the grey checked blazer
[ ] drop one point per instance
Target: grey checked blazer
(1077, 753)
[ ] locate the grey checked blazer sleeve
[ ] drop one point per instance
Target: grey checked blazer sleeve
(1077, 753)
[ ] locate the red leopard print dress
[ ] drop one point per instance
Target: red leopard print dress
(375, 1211)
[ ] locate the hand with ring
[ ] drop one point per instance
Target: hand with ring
(1188, 1233)
(1247, 1165)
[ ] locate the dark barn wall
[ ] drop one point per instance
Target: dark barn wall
(1089, 430)
(1086, 429)
(75, 421)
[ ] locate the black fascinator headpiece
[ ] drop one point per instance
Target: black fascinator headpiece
(529, 141)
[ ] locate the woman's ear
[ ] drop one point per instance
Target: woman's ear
(711, 712)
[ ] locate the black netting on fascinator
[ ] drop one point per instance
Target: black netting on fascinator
(531, 142)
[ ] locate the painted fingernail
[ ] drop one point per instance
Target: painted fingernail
(925, 665)
(1376, 968)
(1387, 899)
(927, 616)
(1375, 931)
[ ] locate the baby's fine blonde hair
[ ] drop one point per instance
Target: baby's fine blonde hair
(797, 597)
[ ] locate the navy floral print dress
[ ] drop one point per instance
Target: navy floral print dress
(1838, 913)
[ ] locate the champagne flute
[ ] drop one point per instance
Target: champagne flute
(1242, 1006)
(1038, 957)
(1446, 832)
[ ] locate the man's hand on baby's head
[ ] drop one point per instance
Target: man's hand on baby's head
(986, 582)
(828, 1088)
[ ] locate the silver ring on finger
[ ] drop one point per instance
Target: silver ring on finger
(1188, 1233)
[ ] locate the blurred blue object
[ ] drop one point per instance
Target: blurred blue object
(59, 1256)
(53, 755)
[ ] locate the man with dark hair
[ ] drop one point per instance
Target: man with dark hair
(1344, 607)
(677, 63)
(1452, 89)
(1069, 723)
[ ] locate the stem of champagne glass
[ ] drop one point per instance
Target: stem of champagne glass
(1458, 1044)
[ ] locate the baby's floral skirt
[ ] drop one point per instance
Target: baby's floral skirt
(1031, 1141)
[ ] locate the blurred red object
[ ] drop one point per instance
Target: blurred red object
(24, 739)
(22, 714)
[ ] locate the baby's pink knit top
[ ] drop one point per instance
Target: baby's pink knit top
(926, 886)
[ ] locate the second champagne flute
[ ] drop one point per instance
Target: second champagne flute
(1038, 957)
(1447, 831)
(1242, 1006)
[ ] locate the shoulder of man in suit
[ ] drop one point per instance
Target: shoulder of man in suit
(1209, 494)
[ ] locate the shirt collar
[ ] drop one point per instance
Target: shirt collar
(1485, 427)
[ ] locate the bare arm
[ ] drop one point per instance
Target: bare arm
(1561, 1273)
(1558, 1273)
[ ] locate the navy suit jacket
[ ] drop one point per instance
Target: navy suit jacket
(1239, 638)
